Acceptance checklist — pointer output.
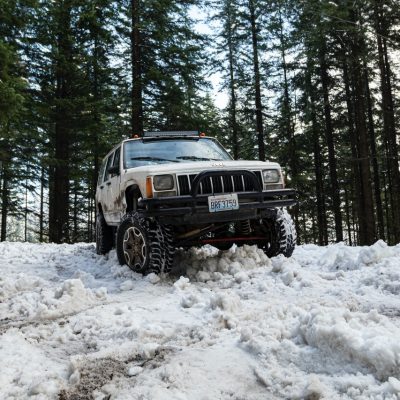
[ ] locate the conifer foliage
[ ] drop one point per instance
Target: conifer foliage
(310, 84)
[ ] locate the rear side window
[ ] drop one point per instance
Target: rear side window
(117, 157)
(101, 172)
(108, 165)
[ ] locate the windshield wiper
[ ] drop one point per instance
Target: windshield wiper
(152, 159)
(197, 158)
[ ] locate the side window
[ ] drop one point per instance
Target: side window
(101, 172)
(117, 157)
(108, 165)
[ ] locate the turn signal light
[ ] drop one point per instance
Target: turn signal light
(149, 188)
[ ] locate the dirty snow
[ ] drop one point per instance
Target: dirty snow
(324, 324)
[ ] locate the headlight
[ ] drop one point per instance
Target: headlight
(271, 176)
(163, 182)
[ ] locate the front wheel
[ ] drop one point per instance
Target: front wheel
(281, 234)
(144, 245)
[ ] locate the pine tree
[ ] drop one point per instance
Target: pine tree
(12, 96)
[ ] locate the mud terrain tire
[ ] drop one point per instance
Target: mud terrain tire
(144, 245)
(282, 235)
(104, 235)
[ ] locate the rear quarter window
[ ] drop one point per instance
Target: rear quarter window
(101, 172)
(108, 165)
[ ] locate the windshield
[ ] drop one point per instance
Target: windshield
(138, 152)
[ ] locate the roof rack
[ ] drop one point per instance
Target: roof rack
(170, 134)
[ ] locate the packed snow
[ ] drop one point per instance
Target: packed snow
(323, 324)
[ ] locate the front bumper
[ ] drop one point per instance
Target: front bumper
(193, 208)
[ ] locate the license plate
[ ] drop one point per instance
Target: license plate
(225, 202)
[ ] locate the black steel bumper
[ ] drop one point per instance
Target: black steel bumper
(193, 208)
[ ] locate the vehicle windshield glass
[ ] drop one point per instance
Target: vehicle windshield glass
(138, 152)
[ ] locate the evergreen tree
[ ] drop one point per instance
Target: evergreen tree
(12, 98)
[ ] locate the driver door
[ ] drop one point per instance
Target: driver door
(114, 197)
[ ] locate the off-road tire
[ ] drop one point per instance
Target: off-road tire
(282, 237)
(104, 235)
(157, 244)
(168, 247)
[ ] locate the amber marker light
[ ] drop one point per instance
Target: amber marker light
(149, 188)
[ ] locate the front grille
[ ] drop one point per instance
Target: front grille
(219, 184)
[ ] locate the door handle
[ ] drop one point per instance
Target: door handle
(102, 186)
(108, 183)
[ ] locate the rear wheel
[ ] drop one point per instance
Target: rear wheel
(281, 234)
(144, 245)
(104, 235)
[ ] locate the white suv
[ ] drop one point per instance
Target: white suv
(181, 189)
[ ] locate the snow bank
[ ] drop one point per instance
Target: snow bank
(20, 283)
(41, 303)
(235, 324)
(369, 339)
(209, 264)
(376, 253)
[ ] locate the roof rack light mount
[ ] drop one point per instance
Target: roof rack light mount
(171, 134)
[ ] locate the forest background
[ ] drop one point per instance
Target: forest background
(312, 84)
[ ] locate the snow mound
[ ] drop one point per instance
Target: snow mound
(209, 264)
(376, 253)
(20, 283)
(339, 257)
(369, 339)
(387, 278)
(70, 297)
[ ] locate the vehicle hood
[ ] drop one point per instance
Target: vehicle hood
(199, 166)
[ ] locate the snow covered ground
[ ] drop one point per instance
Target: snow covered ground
(324, 324)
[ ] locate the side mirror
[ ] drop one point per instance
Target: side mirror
(114, 170)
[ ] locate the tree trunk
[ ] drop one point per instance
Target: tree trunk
(375, 166)
(41, 212)
(356, 230)
(97, 126)
(75, 214)
(137, 102)
(288, 123)
(257, 84)
(232, 106)
(330, 140)
(26, 212)
(318, 168)
(59, 188)
(366, 220)
(355, 162)
(4, 203)
(90, 215)
(347, 210)
(386, 202)
(389, 124)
